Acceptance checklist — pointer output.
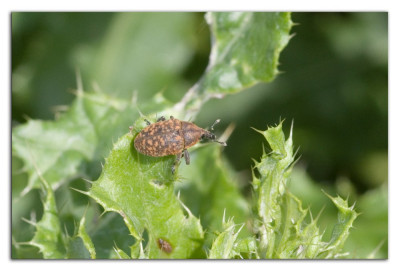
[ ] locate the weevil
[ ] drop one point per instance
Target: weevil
(164, 245)
(172, 137)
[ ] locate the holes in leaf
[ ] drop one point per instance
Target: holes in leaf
(157, 184)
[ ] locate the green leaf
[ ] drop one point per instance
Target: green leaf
(121, 254)
(247, 247)
(274, 170)
(210, 188)
(147, 52)
(76, 249)
(48, 236)
(137, 251)
(283, 227)
(86, 239)
(140, 189)
(341, 231)
(372, 223)
(224, 246)
(228, 244)
(109, 232)
(297, 239)
(59, 148)
(76, 143)
(245, 51)
(80, 245)
(246, 48)
(62, 149)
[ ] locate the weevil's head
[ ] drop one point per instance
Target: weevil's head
(208, 135)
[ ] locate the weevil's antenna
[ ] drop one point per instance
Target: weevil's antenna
(212, 128)
(215, 122)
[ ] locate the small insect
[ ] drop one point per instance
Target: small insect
(164, 246)
(171, 137)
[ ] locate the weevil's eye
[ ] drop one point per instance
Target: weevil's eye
(208, 136)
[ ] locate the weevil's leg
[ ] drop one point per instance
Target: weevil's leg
(161, 119)
(176, 163)
(222, 143)
(187, 156)
(147, 122)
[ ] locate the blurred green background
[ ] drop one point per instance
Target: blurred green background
(333, 86)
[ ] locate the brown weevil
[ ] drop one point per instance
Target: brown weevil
(171, 137)
(164, 245)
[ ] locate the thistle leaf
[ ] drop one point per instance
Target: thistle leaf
(140, 189)
(245, 50)
(284, 230)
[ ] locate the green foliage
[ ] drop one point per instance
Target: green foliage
(60, 148)
(137, 201)
(284, 231)
(239, 40)
(245, 51)
(224, 246)
(372, 219)
(87, 242)
(141, 190)
(162, 54)
(372, 222)
(48, 236)
(211, 193)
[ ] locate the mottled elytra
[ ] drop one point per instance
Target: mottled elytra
(164, 245)
(171, 137)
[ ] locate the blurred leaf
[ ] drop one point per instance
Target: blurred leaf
(20, 251)
(121, 254)
(140, 189)
(370, 41)
(109, 233)
(48, 236)
(210, 189)
(137, 251)
(28, 207)
(62, 148)
(76, 249)
(373, 168)
(120, 52)
(147, 52)
(82, 136)
(370, 237)
(59, 148)
(309, 193)
(247, 247)
(47, 49)
(245, 51)
(86, 239)
(80, 246)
